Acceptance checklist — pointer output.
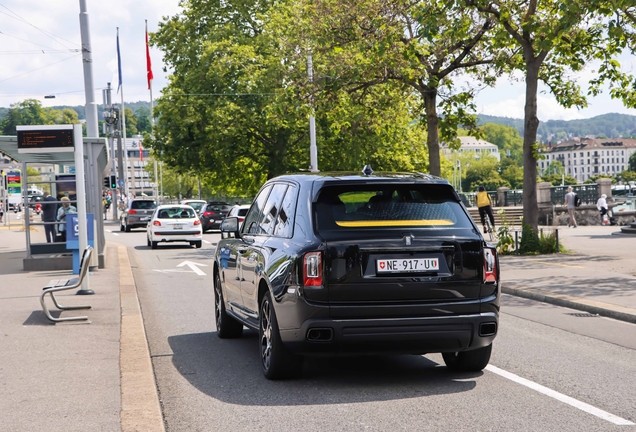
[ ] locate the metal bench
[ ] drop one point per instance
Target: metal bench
(62, 285)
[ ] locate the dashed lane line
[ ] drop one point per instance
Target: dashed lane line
(561, 397)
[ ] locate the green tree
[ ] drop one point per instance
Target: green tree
(131, 123)
(235, 115)
(512, 173)
(632, 162)
(423, 45)
(507, 139)
(559, 179)
(27, 112)
(481, 171)
(552, 38)
(143, 120)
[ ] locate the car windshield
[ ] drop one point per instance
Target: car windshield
(176, 213)
(195, 205)
(386, 206)
(143, 205)
(243, 211)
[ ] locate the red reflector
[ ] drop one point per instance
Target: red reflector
(132, 211)
(241, 219)
(313, 269)
(156, 223)
(197, 222)
(490, 265)
(208, 213)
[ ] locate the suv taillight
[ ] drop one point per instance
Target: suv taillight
(312, 264)
(132, 211)
(490, 265)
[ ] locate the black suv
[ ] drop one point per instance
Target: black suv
(358, 264)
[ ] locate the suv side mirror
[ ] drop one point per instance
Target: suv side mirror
(230, 225)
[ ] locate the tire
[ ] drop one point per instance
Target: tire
(468, 361)
(121, 226)
(148, 242)
(226, 326)
(198, 244)
(127, 228)
(277, 361)
(153, 245)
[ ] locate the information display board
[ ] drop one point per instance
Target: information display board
(50, 138)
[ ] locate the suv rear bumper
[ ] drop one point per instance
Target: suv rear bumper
(412, 335)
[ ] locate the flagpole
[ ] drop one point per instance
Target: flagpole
(123, 119)
(152, 116)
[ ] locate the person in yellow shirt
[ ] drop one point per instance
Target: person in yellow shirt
(484, 204)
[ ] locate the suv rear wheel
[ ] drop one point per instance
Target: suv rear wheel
(468, 361)
(277, 361)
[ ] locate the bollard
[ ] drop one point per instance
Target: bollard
(517, 242)
(556, 232)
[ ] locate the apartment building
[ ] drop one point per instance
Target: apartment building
(588, 157)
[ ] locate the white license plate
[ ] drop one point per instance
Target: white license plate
(145, 219)
(177, 227)
(406, 265)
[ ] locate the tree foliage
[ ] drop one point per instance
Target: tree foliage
(552, 39)
(422, 45)
(31, 112)
(235, 112)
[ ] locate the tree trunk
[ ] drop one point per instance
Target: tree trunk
(432, 141)
(531, 125)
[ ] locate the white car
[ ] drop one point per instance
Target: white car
(195, 204)
(174, 223)
(239, 211)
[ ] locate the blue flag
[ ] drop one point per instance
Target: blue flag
(118, 61)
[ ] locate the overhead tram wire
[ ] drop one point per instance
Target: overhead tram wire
(46, 33)
(65, 51)
(33, 70)
(25, 40)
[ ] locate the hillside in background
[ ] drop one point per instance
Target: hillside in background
(81, 112)
(607, 125)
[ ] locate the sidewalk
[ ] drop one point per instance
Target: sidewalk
(98, 377)
(73, 376)
(597, 276)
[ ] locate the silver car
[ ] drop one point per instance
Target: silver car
(137, 214)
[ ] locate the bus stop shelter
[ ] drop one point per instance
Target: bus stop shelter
(41, 255)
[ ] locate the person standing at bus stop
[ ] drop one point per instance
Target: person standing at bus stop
(66, 209)
(48, 215)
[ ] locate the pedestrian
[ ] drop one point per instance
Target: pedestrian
(484, 204)
(570, 203)
(48, 215)
(66, 209)
(601, 205)
(1, 211)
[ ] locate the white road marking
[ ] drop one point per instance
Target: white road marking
(110, 231)
(561, 397)
(116, 233)
(205, 241)
(194, 267)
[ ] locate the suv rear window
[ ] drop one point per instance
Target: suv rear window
(143, 205)
(381, 206)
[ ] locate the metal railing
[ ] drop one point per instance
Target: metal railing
(587, 192)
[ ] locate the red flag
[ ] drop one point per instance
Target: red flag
(141, 152)
(148, 62)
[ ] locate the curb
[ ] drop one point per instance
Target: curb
(595, 307)
(140, 407)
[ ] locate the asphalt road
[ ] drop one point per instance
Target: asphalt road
(552, 368)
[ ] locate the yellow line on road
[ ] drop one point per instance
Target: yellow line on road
(560, 265)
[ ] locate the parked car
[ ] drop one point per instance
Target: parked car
(213, 213)
(196, 204)
(239, 211)
(137, 214)
(355, 264)
(174, 223)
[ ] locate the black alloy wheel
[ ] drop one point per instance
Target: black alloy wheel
(226, 326)
(468, 361)
(277, 361)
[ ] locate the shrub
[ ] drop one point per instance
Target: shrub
(529, 240)
(506, 243)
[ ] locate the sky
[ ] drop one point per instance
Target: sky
(39, 56)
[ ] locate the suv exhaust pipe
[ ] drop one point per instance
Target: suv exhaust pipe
(319, 335)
